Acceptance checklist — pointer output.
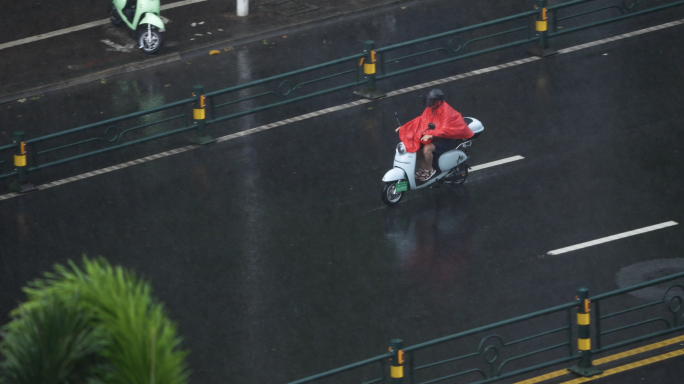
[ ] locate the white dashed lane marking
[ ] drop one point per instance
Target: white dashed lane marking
(495, 163)
(612, 238)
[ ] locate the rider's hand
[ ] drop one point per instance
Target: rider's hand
(397, 130)
(426, 138)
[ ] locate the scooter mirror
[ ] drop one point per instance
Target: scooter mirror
(431, 126)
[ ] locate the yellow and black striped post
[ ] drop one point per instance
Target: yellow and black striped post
(370, 91)
(199, 115)
(584, 367)
(541, 27)
(21, 184)
(397, 361)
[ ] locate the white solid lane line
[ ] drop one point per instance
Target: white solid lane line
(82, 26)
(495, 163)
(53, 34)
(611, 238)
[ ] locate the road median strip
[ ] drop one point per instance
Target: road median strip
(618, 356)
(627, 367)
(352, 104)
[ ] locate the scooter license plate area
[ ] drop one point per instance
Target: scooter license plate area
(401, 186)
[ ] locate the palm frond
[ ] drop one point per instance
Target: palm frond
(53, 342)
(143, 346)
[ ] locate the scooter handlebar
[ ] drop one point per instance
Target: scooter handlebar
(428, 141)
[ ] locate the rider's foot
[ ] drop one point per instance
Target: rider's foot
(427, 175)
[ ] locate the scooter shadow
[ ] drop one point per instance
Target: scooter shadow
(432, 236)
(444, 200)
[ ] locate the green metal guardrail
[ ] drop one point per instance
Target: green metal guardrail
(481, 364)
(93, 139)
(276, 91)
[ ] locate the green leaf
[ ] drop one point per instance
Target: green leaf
(141, 345)
(53, 342)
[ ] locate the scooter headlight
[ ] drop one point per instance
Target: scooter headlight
(401, 149)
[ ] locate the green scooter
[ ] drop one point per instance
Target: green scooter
(142, 18)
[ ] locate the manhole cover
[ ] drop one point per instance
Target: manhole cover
(289, 7)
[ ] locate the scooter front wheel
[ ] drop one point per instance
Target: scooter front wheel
(149, 40)
(389, 195)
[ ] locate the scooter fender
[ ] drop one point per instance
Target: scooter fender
(451, 159)
(151, 18)
(119, 4)
(394, 174)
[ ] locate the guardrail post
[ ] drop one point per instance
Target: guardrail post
(584, 367)
(21, 184)
(370, 91)
(397, 361)
(199, 114)
(542, 49)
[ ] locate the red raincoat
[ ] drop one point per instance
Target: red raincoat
(449, 124)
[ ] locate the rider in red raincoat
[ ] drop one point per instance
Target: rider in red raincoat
(450, 130)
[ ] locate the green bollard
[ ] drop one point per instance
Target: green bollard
(21, 184)
(370, 91)
(542, 49)
(397, 361)
(199, 114)
(584, 367)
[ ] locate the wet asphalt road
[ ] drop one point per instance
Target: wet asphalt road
(192, 31)
(275, 253)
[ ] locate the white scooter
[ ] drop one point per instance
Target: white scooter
(451, 167)
(141, 16)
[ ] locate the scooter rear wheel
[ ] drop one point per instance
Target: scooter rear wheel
(389, 195)
(114, 16)
(458, 175)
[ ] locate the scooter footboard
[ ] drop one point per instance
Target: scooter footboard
(394, 174)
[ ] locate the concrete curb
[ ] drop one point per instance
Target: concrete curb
(198, 51)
